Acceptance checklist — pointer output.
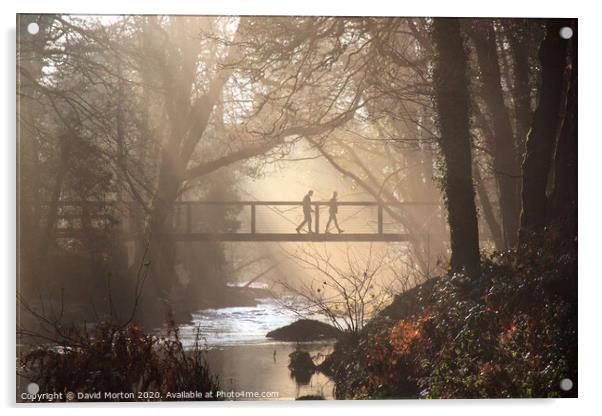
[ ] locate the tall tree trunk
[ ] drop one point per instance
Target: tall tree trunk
(519, 37)
(563, 201)
(170, 179)
(452, 100)
(48, 235)
(187, 120)
(145, 148)
(30, 109)
(505, 158)
(488, 212)
(544, 131)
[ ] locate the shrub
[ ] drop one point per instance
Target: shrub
(511, 333)
(114, 358)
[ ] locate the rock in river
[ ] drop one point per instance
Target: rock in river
(305, 330)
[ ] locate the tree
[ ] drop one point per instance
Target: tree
(242, 66)
(503, 146)
(563, 199)
(523, 37)
(453, 101)
(30, 121)
(543, 135)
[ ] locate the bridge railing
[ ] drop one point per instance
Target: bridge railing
(193, 219)
(72, 217)
(373, 217)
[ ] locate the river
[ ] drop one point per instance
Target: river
(239, 353)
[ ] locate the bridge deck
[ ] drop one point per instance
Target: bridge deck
(313, 237)
(186, 222)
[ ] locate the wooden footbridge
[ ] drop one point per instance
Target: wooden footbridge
(276, 221)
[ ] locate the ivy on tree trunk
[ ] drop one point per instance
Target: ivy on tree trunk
(452, 100)
(544, 131)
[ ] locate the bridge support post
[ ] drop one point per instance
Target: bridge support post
(380, 219)
(252, 218)
(317, 219)
(188, 218)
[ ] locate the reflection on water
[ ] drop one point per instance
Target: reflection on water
(245, 360)
(264, 368)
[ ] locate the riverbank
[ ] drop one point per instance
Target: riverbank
(510, 333)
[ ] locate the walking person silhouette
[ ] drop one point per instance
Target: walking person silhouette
(333, 209)
(306, 212)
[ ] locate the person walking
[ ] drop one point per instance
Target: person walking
(306, 213)
(333, 209)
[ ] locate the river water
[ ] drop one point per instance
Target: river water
(239, 353)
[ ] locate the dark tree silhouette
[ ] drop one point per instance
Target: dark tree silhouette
(504, 150)
(452, 100)
(520, 40)
(542, 137)
(563, 200)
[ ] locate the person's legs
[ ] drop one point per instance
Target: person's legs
(302, 224)
(306, 220)
(336, 223)
(328, 223)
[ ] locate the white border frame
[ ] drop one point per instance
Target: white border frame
(590, 151)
